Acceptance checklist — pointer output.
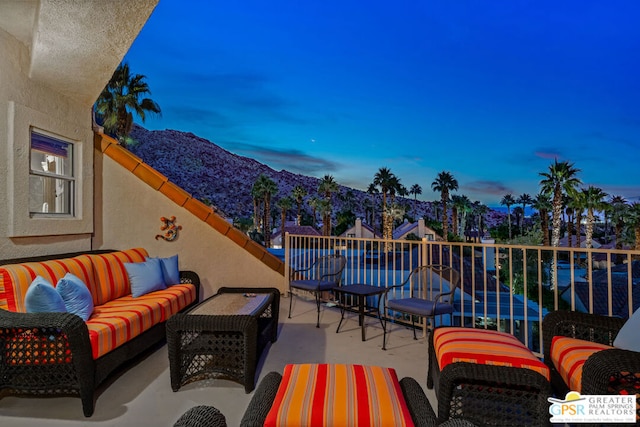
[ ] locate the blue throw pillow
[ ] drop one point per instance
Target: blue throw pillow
(76, 296)
(42, 297)
(145, 277)
(170, 270)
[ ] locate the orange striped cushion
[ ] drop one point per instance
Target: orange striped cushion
(16, 278)
(116, 322)
(338, 395)
(111, 279)
(568, 356)
(455, 344)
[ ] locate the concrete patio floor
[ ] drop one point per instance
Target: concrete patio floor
(142, 395)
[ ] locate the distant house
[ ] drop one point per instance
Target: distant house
(600, 291)
(304, 230)
(361, 230)
(418, 228)
(564, 242)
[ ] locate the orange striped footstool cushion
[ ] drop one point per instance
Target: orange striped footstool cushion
(481, 346)
(568, 356)
(313, 395)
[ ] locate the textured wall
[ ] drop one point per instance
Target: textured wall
(128, 214)
(25, 103)
(55, 58)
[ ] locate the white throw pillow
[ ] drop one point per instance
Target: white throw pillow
(628, 337)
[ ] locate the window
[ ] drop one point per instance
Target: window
(51, 175)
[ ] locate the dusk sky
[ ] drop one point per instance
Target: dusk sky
(491, 91)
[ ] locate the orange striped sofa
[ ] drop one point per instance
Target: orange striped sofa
(487, 377)
(48, 354)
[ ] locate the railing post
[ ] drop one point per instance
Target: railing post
(287, 261)
(424, 248)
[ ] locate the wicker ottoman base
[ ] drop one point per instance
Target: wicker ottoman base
(487, 394)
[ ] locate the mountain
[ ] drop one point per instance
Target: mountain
(211, 173)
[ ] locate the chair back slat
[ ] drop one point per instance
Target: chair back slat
(427, 282)
(329, 268)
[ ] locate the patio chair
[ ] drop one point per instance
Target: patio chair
(323, 275)
(423, 282)
(592, 354)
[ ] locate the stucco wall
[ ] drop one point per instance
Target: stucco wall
(128, 215)
(24, 103)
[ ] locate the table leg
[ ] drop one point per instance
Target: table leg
(361, 299)
(342, 309)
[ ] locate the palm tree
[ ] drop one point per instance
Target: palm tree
(619, 210)
(266, 187)
(313, 203)
(436, 208)
(327, 187)
(578, 204)
(594, 200)
(542, 204)
(455, 203)
(460, 207)
(559, 180)
(524, 200)
(569, 211)
(325, 209)
(384, 179)
(464, 210)
(298, 194)
(256, 194)
(634, 221)
(394, 211)
(284, 204)
(508, 201)
(606, 213)
(416, 190)
(372, 190)
(479, 211)
(517, 213)
(120, 99)
(444, 183)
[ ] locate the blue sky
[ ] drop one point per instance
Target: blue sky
(491, 91)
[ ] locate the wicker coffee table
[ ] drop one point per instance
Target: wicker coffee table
(223, 336)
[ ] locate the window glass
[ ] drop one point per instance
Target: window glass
(51, 179)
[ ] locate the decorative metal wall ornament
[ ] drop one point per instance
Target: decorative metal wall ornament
(170, 229)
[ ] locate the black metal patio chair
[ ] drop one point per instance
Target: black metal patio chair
(425, 295)
(323, 275)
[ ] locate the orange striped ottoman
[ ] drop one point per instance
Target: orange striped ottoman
(487, 377)
(336, 395)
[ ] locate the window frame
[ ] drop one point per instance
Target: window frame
(70, 124)
(68, 178)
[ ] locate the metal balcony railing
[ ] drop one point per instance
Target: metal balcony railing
(509, 288)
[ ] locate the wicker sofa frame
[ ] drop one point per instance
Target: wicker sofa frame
(611, 371)
(66, 334)
(489, 395)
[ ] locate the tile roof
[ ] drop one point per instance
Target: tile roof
(304, 230)
(619, 290)
(160, 183)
